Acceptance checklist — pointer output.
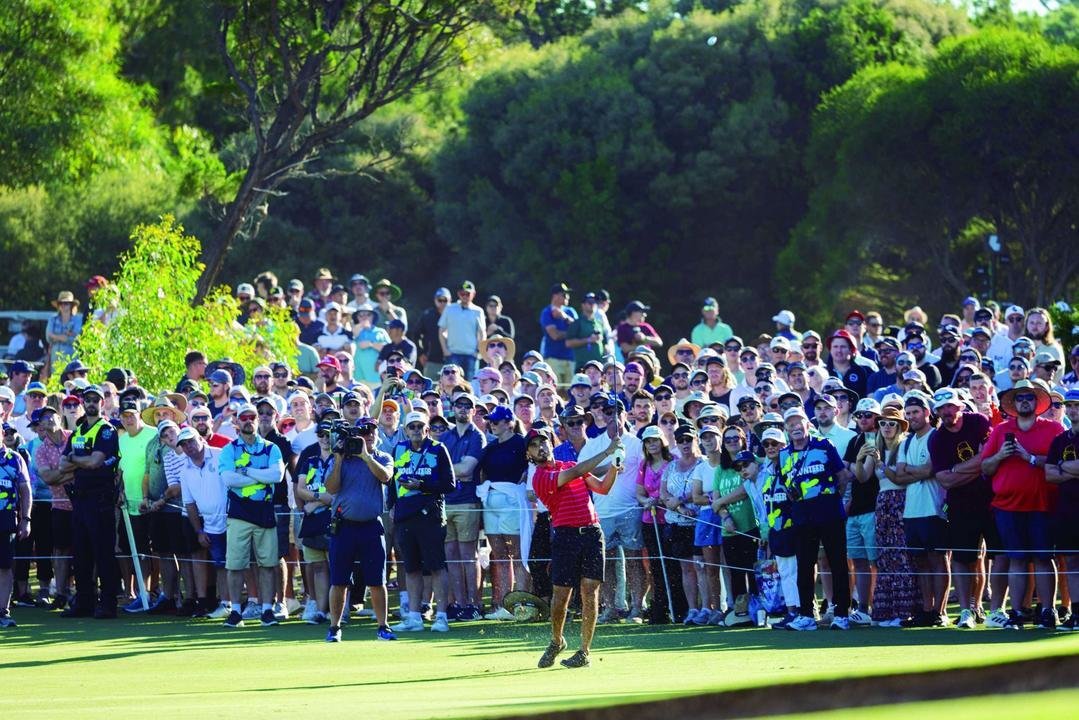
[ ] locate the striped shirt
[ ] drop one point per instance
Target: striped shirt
(570, 505)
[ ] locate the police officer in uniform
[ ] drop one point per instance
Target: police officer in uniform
(90, 458)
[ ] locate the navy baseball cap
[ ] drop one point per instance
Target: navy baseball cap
(19, 366)
(500, 413)
(220, 377)
(744, 457)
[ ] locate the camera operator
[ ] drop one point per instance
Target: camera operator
(423, 473)
(357, 473)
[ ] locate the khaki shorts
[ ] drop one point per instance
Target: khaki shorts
(311, 555)
(242, 536)
(463, 522)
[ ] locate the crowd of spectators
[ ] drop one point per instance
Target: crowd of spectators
(888, 472)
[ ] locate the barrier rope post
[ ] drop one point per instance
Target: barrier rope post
(143, 595)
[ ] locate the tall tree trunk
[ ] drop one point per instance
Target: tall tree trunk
(221, 241)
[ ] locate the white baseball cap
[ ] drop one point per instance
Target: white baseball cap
(415, 416)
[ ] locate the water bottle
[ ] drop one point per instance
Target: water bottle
(762, 618)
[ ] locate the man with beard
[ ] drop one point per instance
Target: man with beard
(643, 411)
(281, 375)
(949, 353)
(887, 351)
(250, 465)
(329, 375)
(633, 379)
(261, 378)
(811, 342)
(955, 450)
(1014, 457)
(269, 409)
(220, 387)
(90, 459)
(924, 523)
(1040, 330)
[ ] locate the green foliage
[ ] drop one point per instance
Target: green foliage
(654, 155)
(154, 323)
(1065, 324)
(64, 110)
(915, 166)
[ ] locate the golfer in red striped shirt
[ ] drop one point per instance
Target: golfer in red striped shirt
(577, 548)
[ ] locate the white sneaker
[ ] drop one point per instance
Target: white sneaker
(893, 623)
(309, 610)
(859, 618)
(997, 619)
(966, 620)
(280, 611)
(408, 625)
(252, 611)
(840, 623)
(222, 611)
(826, 618)
(802, 623)
(292, 605)
(499, 614)
(441, 624)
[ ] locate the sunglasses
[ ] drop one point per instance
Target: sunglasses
(1056, 405)
(732, 348)
(699, 381)
(732, 440)
(245, 417)
(451, 371)
(1017, 367)
(463, 405)
(747, 359)
(261, 376)
(1025, 397)
(810, 346)
(863, 415)
(414, 426)
(439, 428)
(854, 322)
(915, 346)
(771, 444)
(322, 434)
(573, 423)
(610, 411)
(65, 406)
(669, 423)
(662, 398)
(873, 324)
(280, 374)
(684, 351)
(680, 375)
(888, 423)
(498, 345)
(442, 300)
(902, 362)
(684, 440)
(204, 419)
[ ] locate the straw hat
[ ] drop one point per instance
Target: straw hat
(66, 296)
(526, 607)
(1007, 398)
(165, 402)
(890, 413)
(683, 344)
(511, 346)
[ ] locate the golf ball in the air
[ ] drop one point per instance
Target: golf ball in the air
(712, 40)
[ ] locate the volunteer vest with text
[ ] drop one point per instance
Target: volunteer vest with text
(84, 442)
(253, 503)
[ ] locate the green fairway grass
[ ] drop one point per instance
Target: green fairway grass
(85, 668)
(1052, 704)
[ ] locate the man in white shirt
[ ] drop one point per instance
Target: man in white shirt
(618, 511)
(203, 496)
(924, 520)
(824, 410)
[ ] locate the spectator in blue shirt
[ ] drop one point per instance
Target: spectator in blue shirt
(555, 321)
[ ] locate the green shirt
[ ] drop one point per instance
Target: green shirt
(704, 336)
(726, 482)
(582, 328)
(133, 464)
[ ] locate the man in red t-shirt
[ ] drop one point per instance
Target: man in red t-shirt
(577, 547)
(1014, 458)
